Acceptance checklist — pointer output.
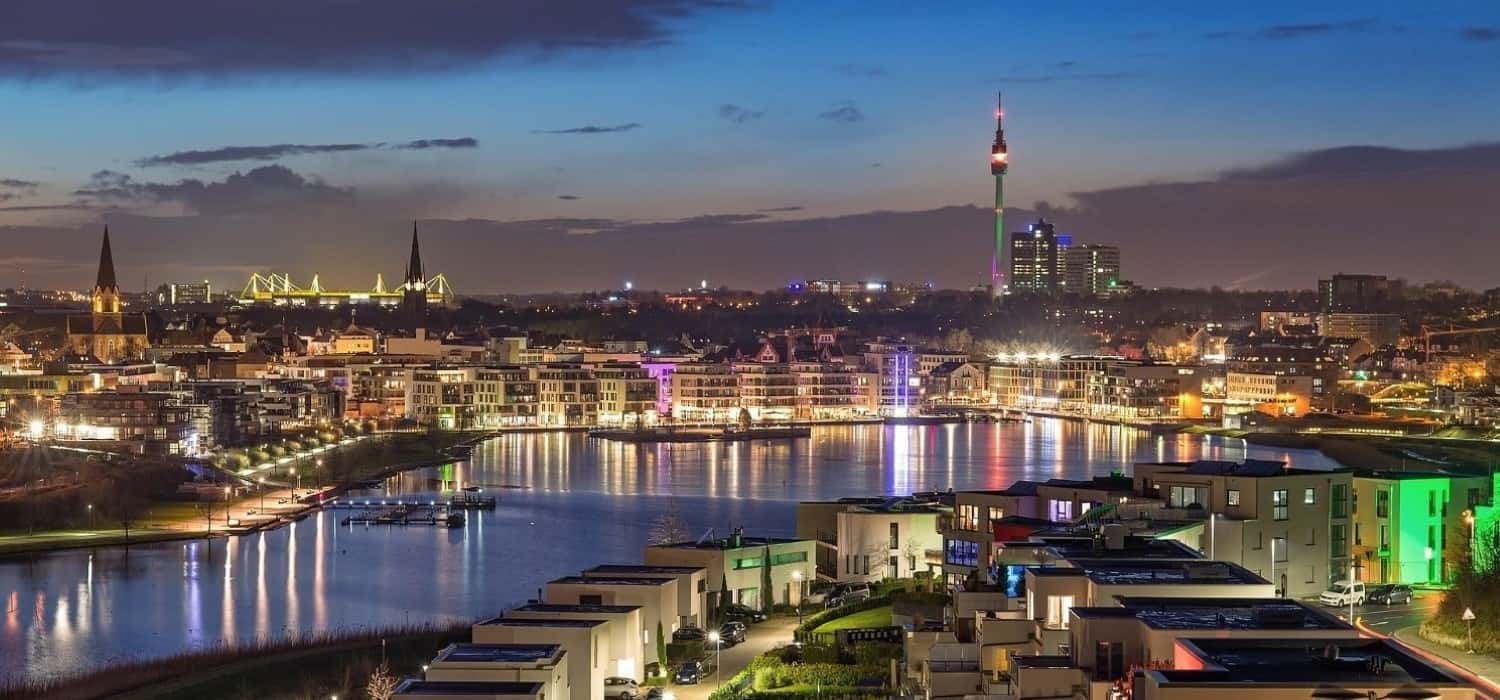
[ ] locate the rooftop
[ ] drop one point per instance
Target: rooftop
(412, 686)
(740, 542)
(1095, 548)
(1347, 662)
(642, 569)
(571, 608)
(1218, 613)
(540, 622)
(1250, 468)
(498, 653)
(1157, 571)
(613, 580)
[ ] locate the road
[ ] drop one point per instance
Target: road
(763, 637)
(1399, 624)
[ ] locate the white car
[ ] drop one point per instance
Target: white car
(616, 688)
(1342, 593)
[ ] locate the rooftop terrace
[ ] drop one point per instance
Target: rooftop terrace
(1218, 613)
(498, 653)
(1349, 662)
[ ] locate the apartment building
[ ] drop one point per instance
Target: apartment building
(415, 689)
(692, 586)
(627, 395)
(893, 538)
(737, 561)
(767, 390)
(656, 598)
(626, 656)
(546, 664)
(704, 392)
(567, 396)
(969, 540)
(1289, 525)
(1288, 395)
(1409, 527)
(827, 391)
(586, 642)
(472, 397)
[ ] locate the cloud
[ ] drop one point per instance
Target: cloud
(14, 184)
(859, 70)
(591, 129)
(267, 188)
(568, 197)
(1480, 33)
(424, 144)
(212, 40)
(775, 210)
(282, 150)
(738, 114)
(1297, 31)
(844, 113)
(1060, 77)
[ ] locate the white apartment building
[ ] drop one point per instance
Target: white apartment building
(627, 395)
(705, 392)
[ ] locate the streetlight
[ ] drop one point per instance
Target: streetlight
(91, 515)
(227, 490)
(1213, 535)
(714, 637)
(797, 576)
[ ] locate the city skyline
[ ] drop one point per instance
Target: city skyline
(668, 142)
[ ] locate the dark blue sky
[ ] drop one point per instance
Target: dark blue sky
(347, 118)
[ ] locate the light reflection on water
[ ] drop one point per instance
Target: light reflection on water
(566, 503)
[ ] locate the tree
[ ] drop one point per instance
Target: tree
(765, 580)
(745, 421)
(669, 527)
(724, 599)
(661, 648)
(382, 685)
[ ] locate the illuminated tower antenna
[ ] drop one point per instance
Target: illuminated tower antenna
(999, 162)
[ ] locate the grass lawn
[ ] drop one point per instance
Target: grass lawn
(875, 617)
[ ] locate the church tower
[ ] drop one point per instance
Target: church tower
(106, 295)
(414, 287)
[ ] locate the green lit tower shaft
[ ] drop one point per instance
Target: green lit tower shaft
(999, 162)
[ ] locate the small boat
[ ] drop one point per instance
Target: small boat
(455, 520)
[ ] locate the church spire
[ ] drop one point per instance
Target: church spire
(414, 274)
(106, 278)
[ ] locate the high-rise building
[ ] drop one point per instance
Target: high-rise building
(1356, 292)
(184, 293)
(1091, 269)
(1034, 260)
(999, 163)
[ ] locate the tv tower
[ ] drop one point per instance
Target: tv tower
(999, 161)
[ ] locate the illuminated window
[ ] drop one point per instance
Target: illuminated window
(1057, 611)
(1309, 496)
(1234, 497)
(1279, 504)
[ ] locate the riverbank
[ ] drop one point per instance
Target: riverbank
(337, 665)
(1423, 453)
(279, 502)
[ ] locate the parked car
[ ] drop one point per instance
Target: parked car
(732, 632)
(739, 611)
(851, 593)
(1388, 594)
(689, 634)
(689, 673)
(656, 693)
(820, 591)
(1342, 593)
(617, 688)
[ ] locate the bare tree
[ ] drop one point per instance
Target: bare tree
(669, 527)
(382, 685)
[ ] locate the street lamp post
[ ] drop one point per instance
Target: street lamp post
(1213, 535)
(227, 490)
(1274, 587)
(797, 576)
(91, 516)
(715, 638)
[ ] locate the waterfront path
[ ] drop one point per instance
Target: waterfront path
(763, 637)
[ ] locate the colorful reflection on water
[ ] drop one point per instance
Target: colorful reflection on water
(566, 502)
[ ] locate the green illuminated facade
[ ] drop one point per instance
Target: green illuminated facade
(1409, 527)
(1486, 530)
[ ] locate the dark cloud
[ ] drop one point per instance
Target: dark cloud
(859, 70)
(591, 129)
(1060, 77)
(195, 38)
(1480, 33)
(14, 184)
(239, 153)
(267, 188)
(844, 113)
(228, 154)
(424, 144)
(568, 197)
(775, 210)
(738, 114)
(1297, 31)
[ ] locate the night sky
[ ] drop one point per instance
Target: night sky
(576, 144)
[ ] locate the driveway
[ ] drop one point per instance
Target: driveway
(762, 638)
